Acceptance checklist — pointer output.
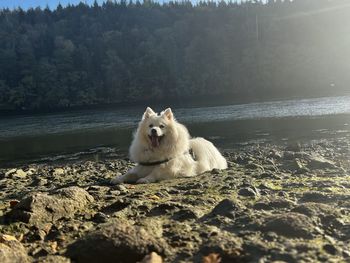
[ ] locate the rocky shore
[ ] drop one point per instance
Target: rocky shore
(283, 203)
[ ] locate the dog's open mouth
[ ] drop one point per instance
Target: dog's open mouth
(155, 140)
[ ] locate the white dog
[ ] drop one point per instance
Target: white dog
(162, 149)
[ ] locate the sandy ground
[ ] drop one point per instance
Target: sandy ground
(273, 203)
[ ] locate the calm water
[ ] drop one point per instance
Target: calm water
(23, 137)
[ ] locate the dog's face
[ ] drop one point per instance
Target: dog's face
(155, 127)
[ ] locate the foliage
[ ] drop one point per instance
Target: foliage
(136, 52)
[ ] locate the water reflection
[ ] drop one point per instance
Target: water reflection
(225, 134)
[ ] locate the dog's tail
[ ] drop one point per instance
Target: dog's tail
(206, 155)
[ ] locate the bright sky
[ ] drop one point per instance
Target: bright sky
(25, 4)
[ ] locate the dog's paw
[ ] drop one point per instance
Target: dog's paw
(143, 181)
(117, 180)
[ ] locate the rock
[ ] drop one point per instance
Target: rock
(262, 206)
(118, 241)
(54, 259)
(121, 188)
(226, 208)
(319, 162)
(290, 225)
(273, 153)
(58, 171)
(12, 251)
(269, 175)
(215, 171)
(39, 182)
(316, 209)
(248, 191)
(330, 249)
(274, 204)
(9, 172)
(19, 174)
(4, 238)
(281, 203)
(316, 197)
(227, 245)
(152, 258)
(294, 147)
(283, 194)
(294, 165)
(288, 155)
(328, 215)
(114, 192)
(116, 207)
(165, 208)
(16, 173)
(254, 166)
(100, 217)
(242, 160)
(212, 258)
(185, 214)
(40, 208)
(31, 171)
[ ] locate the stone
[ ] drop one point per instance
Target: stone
(12, 251)
(330, 249)
(227, 245)
(255, 166)
(226, 208)
(16, 173)
(317, 197)
(262, 206)
(185, 214)
(54, 259)
(215, 171)
(279, 203)
(249, 192)
(290, 225)
(296, 164)
(58, 171)
(118, 241)
(319, 162)
(121, 188)
(9, 172)
(328, 215)
(40, 208)
(315, 209)
(100, 217)
(152, 258)
(294, 147)
(288, 155)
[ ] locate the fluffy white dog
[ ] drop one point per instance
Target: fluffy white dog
(163, 149)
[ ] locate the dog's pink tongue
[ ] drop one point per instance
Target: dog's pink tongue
(155, 141)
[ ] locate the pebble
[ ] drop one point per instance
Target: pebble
(19, 173)
(290, 225)
(247, 191)
(120, 187)
(226, 207)
(296, 207)
(58, 171)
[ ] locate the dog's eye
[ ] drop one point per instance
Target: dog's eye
(151, 126)
(161, 126)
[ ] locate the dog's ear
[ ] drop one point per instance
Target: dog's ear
(149, 112)
(168, 114)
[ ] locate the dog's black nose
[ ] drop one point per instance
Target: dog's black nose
(154, 131)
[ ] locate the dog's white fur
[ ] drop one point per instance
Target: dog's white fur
(174, 145)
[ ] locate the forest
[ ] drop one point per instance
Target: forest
(139, 52)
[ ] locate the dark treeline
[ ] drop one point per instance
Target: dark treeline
(137, 52)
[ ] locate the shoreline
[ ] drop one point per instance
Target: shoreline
(225, 134)
(274, 202)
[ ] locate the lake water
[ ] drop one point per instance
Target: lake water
(28, 137)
